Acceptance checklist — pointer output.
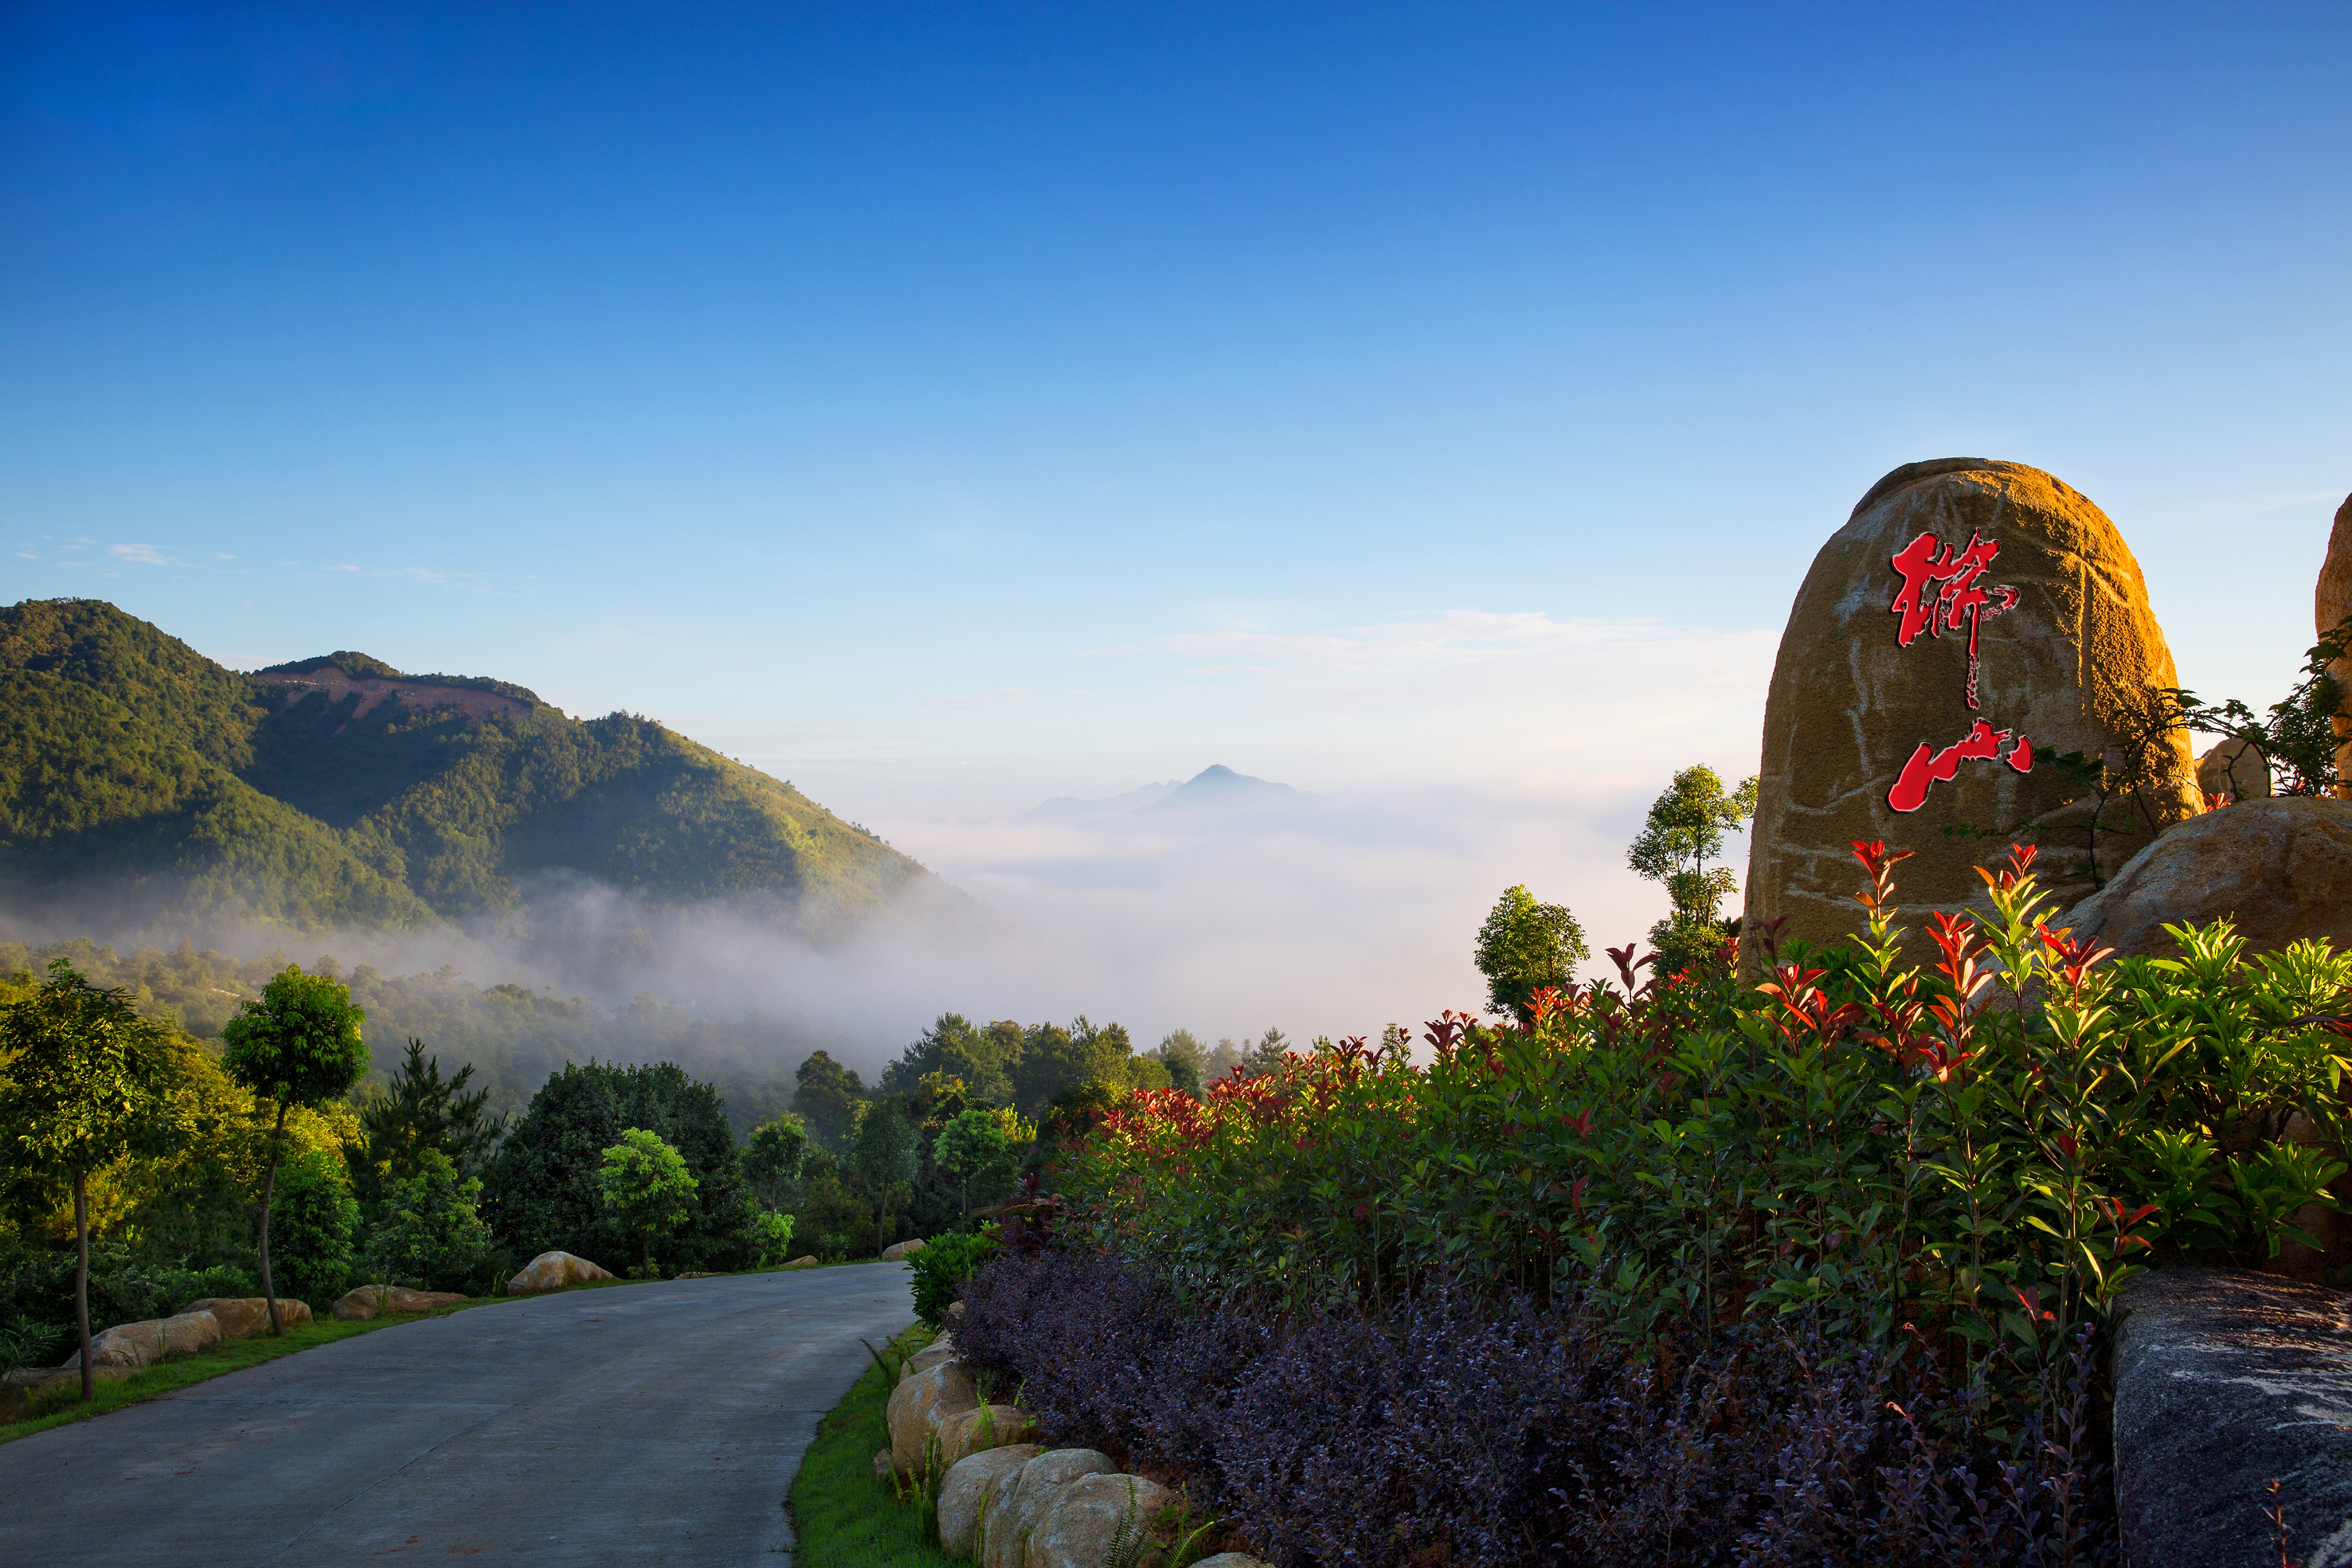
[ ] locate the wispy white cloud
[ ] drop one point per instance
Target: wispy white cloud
(142, 555)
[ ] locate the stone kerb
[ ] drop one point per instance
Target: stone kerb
(1972, 622)
(1012, 1504)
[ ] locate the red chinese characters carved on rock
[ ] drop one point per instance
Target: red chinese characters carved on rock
(1960, 600)
(1927, 765)
(1928, 559)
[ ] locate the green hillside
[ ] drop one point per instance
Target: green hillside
(134, 767)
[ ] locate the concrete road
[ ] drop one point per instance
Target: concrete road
(658, 1423)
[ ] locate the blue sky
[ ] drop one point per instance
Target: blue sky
(947, 405)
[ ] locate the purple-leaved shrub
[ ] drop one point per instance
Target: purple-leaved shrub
(1462, 1429)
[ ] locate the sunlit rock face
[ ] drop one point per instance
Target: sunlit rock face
(2331, 602)
(1973, 622)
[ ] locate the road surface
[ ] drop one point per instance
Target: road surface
(636, 1424)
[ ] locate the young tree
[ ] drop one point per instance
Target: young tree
(541, 1189)
(1268, 1053)
(827, 1098)
(312, 1221)
(976, 1144)
(1524, 946)
(1186, 1059)
(87, 1082)
(296, 1044)
(881, 1156)
(420, 1110)
(772, 1157)
(646, 1187)
(1685, 831)
(433, 1227)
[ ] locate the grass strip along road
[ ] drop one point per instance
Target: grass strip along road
(62, 1403)
(845, 1515)
(639, 1424)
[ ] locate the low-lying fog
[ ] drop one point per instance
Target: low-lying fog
(1436, 768)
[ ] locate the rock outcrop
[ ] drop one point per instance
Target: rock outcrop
(965, 1492)
(373, 1301)
(2225, 1381)
(899, 1251)
(2234, 770)
(2331, 601)
(1971, 623)
(552, 1271)
(2281, 868)
(242, 1317)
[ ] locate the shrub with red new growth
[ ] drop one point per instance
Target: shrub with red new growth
(1466, 1429)
(1888, 1146)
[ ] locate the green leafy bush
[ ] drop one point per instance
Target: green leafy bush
(432, 1235)
(941, 1266)
(645, 1188)
(1979, 1152)
(771, 1237)
(541, 1192)
(313, 1222)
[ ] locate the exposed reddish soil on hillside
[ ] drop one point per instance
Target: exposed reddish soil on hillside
(376, 691)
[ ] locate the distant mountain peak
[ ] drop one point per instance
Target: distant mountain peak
(1219, 788)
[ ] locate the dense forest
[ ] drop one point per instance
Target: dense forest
(137, 775)
(429, 1170)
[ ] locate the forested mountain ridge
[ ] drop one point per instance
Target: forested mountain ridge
(339, 791)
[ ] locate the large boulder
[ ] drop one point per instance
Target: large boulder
(146, 1343)
(2224, 1382)
(969, 1432)
(1972, 622)
(2281, 868)
(939, 1352)
(242, 1317)
(552, 1271)
(899, 1251)
(373, 1301)
(1013, 1514)
(964, 1493)
(919, 1404)
(2331, 601)
(2234, 770)
(1097, 1520)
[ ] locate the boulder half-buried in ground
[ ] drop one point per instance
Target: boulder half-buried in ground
(552, 1271)
(242, 1317)
(375, 1300)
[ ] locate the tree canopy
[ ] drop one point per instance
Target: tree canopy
(541, 1192)
(1525, 946)
(1684, 832)
(86, 1079)
(645, 1188)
